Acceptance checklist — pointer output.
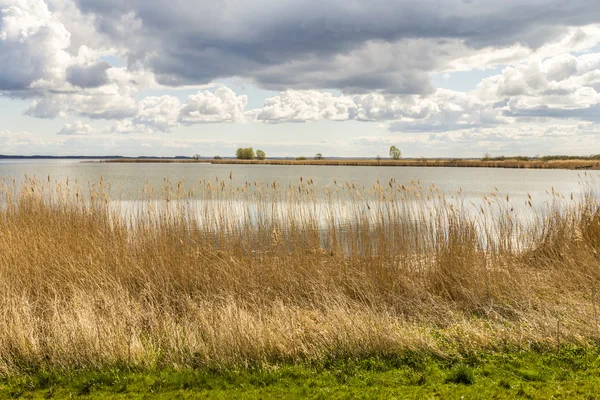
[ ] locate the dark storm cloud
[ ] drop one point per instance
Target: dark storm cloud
(89, 76)
(304, 44)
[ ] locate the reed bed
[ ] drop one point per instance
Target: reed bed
(214, 275)
(508, 163)
(591, 164)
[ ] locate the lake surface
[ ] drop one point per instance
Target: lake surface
(128, 180)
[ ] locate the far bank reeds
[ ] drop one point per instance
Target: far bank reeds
(591, 164)
(218, 275)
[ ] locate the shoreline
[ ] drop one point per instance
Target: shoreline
(517, 164)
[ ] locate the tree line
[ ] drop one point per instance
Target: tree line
(248, 153)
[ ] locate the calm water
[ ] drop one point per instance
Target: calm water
(128, 180)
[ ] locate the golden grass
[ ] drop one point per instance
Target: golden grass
(507, 163)
(261, 273)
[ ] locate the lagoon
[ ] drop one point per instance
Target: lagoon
(128, 181)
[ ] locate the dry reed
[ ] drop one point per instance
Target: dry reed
(218, 275)
(592, 164)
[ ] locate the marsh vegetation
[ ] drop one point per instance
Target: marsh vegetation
(498, 162)
(220, 276)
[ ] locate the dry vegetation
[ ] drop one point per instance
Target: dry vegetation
(504, 163)
(261, 274)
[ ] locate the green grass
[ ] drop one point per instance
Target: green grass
(571, 373)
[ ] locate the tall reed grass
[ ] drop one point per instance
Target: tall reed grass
(218, 275)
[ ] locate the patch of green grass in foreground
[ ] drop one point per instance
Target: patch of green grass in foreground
(570, 373)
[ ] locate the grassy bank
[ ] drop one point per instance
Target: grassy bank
(569, 373)
(263, 275)
(504, 163)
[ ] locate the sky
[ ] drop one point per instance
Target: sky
(345, 78)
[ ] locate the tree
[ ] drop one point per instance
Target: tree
(395, 153)
(378, 158)
(245, 153)
(196, 157)
(260, 155)
(318, 156)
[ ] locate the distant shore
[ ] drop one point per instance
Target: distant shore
(508, 163)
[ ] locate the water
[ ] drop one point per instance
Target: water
(128, 180)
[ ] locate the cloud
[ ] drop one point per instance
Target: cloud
(45, 108)
(32, 44)
(127, 127)
(24, 142)
(302, 106)
(377, 107)
(563, 86)
(312, 105)
(159, 113)
(114, 100)
(368, 61)
(523, 139)
(207, 107)
(559, 87)
(90, 76)
(398, 67)
(38, 60)
(572, 39)
(77, 128)
(9, 138)
(163, 113)
(450, 110)
(443, 110)
(105, 103)
(365, 46)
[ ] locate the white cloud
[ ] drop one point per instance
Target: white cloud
(77, 128)
(160, 113)
(207, 107)
(114, 100)
(443, 110)
(378, 107)
(302, 106)
(27, 143)
(556, 87)
(127, 127)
